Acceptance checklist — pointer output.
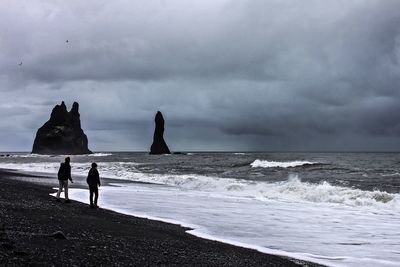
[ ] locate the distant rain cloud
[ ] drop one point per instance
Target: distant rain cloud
(227, 75)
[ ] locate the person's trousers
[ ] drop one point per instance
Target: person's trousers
(63, 184)
(93, 191)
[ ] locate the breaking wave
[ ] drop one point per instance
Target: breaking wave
(33, 155)
(29, 155)
(99, 155)
(324, 192)
(277, 164)
(292, 190)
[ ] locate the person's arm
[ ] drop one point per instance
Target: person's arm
(88, 177)
(60, 171)
(98, 177)
(69, 174)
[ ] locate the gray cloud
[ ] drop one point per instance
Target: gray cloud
(231, 75)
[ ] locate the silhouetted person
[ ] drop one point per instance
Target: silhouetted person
(64, 174)
(93, 180)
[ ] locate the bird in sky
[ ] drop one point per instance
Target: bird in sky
(66, 41)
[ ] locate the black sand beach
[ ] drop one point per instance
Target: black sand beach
(29, 216)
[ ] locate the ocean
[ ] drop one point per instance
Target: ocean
(339, 209)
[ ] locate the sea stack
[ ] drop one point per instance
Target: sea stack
(62, 133)
(159, 146)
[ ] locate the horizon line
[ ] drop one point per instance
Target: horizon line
(230, 151)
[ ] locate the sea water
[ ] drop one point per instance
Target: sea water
(339, 209)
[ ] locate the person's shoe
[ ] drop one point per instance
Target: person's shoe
(92, 206)
(67, 201)
(58, 200)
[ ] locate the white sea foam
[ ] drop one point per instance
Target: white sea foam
(391, 174)
(331, 235)
(296, 190)
(292, 190)
(118, 170)
(29, 155)
(277, 164)
(99, 155)
(339, 225)
(111, 196)
(33, 155)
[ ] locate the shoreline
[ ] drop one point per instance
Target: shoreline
(194, 230)
(178, 246)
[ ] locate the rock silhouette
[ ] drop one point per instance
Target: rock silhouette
(62, 133)
(159, 146)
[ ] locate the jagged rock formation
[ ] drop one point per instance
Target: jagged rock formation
(62, 133)
(159, 146)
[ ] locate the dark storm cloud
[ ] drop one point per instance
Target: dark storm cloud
(275, 75)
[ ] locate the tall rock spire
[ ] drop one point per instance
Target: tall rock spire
(159, 146)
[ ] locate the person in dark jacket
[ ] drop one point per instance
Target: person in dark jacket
(64, 174)
(93, 180)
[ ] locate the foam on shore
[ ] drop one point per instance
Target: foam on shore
(293, 189)
(280, 164)
(81, 195)
(271, 227)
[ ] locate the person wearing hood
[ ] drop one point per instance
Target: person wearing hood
(93, 180)
(64, 174)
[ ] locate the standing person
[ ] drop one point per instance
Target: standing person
(64, 174)
(93, 180)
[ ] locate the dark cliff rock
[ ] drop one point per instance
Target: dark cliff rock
(62, 133)
(159, 146)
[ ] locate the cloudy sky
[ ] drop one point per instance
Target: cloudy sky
(227, 74)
